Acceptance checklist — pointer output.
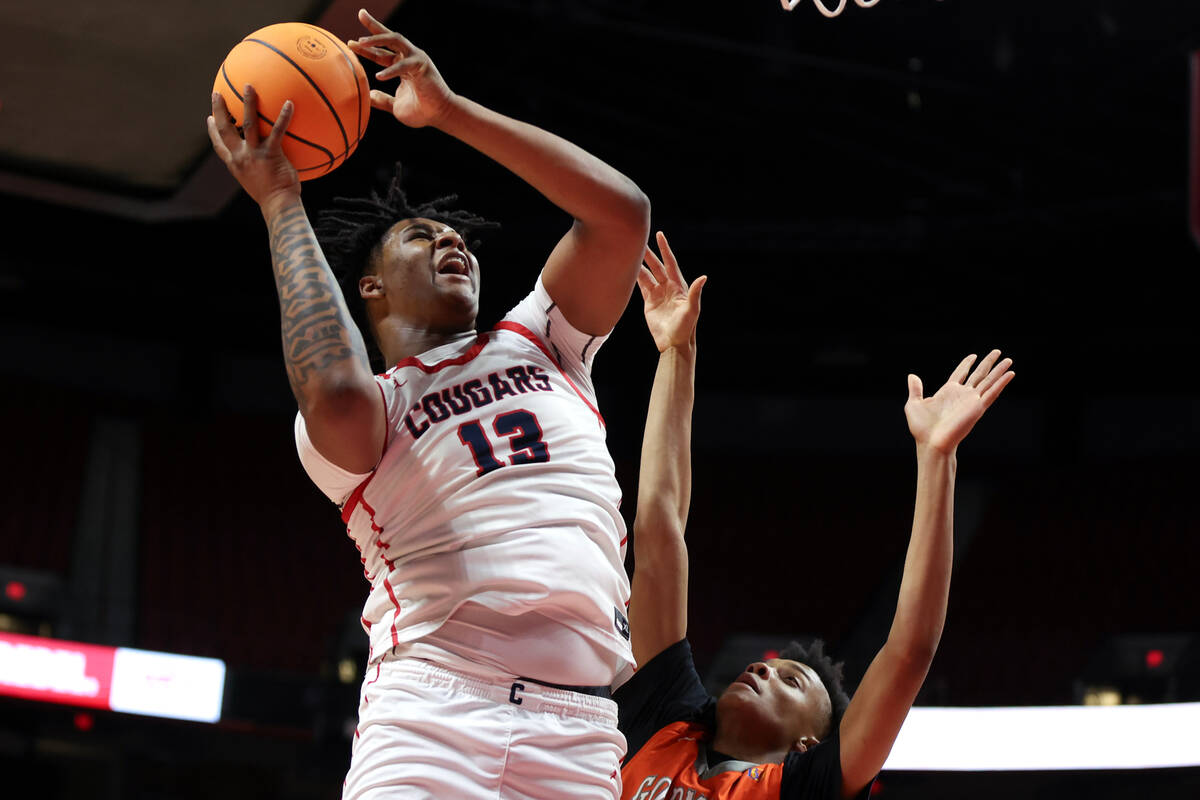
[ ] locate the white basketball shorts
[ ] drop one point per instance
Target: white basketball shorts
(425, 731)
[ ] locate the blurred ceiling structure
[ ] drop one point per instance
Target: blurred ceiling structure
(94, 107)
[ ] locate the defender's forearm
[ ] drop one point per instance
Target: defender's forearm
(925, 586)
(665, 477)
(322, 347)
(658, 591)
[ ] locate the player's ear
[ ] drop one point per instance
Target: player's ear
(805, 743)
(370, 286)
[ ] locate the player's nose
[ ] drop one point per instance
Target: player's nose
(450, 238)
(760, 669)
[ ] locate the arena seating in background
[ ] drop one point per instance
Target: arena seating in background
(46, 438)
(780, 546)
(1064, 560)
(243, 559)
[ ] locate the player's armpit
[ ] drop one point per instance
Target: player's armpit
(347, 424)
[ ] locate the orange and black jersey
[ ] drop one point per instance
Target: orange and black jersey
(668, 719)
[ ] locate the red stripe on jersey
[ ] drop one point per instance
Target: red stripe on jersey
(413, 361)
(356, 496)
(396, 616)
(354, 499)
(366, 700)
(390, 566)
(518, 328)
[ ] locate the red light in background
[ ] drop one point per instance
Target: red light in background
(876, 788)
(767, 656)
(1154, 659)
(84, 721)
(15, 591)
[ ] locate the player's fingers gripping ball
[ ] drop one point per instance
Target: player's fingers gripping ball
(317, 72)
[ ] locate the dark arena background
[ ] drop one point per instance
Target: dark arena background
(871, 195)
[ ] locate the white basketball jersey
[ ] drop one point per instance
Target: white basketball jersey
(495, 486)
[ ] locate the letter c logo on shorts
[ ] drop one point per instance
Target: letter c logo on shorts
(512, 693)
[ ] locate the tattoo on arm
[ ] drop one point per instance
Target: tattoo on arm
(315, 323)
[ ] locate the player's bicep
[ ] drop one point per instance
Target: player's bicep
(873, 720)
(591, 273)
(348, 427)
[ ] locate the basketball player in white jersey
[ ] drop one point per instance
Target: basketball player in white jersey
(472, 474)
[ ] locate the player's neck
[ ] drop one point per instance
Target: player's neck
(729, 743)
(398, 341)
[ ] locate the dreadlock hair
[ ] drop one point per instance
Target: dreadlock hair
(829, 672)
(351, 233)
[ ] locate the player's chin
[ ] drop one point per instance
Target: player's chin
(465, 302)
(459, 310)
(737, 697)
(458, 288)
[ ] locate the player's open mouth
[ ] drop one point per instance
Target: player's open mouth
(453, 264)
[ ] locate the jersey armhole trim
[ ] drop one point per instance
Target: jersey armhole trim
(521, 330)
(355, 498)
(387, 429)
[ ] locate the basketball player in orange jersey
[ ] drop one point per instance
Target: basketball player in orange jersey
(782, 729)
(472, 474)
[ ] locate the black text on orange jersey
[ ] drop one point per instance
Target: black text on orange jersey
(655, 787)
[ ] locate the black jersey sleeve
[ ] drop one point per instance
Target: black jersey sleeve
(665, 689)
(816, 774)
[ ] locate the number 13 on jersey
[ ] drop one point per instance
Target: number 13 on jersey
(524, 436)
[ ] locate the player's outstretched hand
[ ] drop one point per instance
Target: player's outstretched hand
(944, 419)
(422, 96)
(671, 306)
(258, 164)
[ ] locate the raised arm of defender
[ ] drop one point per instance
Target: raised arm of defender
(658, 600)
(938, 424)
(591, 271)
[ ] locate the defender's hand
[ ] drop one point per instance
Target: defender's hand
(944, 419)
(422, 97)
(258, 164)
(671, 306)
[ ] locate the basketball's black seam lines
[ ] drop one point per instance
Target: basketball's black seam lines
(328, 153)
(311, 82)
(357, 89)
(359, 127)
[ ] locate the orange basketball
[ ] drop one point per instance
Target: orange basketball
(317, 72)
